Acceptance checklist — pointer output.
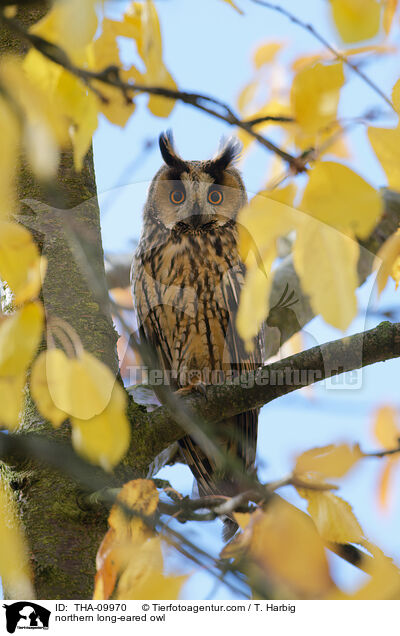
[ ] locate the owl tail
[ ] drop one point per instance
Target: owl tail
(209, 479)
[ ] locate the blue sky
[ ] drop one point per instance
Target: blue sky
(208, 48)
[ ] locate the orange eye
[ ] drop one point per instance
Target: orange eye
(215, 197)
(177, 196)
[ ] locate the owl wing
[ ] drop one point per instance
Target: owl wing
(242, 439)
(149, 316)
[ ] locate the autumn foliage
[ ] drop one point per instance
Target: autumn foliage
(51, 100)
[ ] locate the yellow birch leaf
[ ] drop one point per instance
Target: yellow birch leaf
(285, 195)
(386, 260)
(356, 20)
(143, 578)
(71, 24)
(79, 386)
(384, 578)
(104, 52)
(14, 565)
(261, 222)
(12, 400)
(246, 96)
(20, 335)
(385, 482)
(254, 303)
(386, 429)
(326, 261)
(10, 140)
(20, 262)
(286, 544)
(338, 196)
(140, 495)
(104, 438)
(266, 53)
(385, 143)
(234, 6)
(334, 517)
(396, 96)
(315, 94)
(330, 461)
(396, 272)
(49, 367)
(388, 14)
(141, 23)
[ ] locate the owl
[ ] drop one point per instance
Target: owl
(187, 277)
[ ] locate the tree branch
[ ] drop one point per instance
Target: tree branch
(155, 431)
(111, 76)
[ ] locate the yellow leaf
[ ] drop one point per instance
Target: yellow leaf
(43, 126)
(104, 52)
(234, 6)
(266, 53)
(336, 195)
(386, 145)
(141, 23)
(396, 96)
(261, 222)
(384, 581)
(285, 544)
(14, 565)
(330, 461)
(388, 14)
(71, 24)
(143, 576)
(356, 19)
(12, 400)
(326, 261)
(140, 495)
(76, 105)
(285, 195)
(104, 438)
(315, 96)
(20, 335)
(386, 481)
(396, 272)
(386, 429)
(246, 96)
(130, 552)
(79, 386)
(20, 262)
(10, 139)
(48, 368)
(333, 516)
(386, 260)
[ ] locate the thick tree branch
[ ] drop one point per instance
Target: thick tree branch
(155, 431)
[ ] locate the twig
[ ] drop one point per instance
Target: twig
(339, 56)
(111, 76)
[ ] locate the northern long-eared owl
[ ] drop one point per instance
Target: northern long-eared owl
(186, 282)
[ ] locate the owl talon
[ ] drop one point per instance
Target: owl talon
(196, 387)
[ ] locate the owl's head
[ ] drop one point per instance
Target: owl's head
(196, 195)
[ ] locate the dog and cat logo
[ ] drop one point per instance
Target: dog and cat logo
(26, 615)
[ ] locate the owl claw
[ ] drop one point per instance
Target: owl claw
(196, 387)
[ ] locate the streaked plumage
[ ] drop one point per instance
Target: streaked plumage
(186, 282)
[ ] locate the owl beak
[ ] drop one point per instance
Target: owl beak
(197, 219)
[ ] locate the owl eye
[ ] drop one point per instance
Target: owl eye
(177, 196)
(215, 196)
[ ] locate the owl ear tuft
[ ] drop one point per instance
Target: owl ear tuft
(168, 151)
(228, 153)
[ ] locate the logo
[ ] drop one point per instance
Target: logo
(26, 615)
